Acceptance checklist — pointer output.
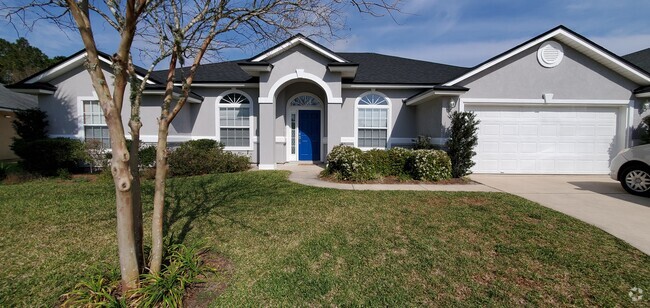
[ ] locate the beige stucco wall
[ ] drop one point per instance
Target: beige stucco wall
(6, 134)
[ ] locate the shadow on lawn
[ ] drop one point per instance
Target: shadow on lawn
(190, 200)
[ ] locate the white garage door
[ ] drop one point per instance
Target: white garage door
(545, 139)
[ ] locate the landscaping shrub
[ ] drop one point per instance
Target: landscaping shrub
(183, 268)
(379, 163)
(204, 156)
(644, 130)
(347, 163)
(4, 170)
(462, 141)
(47, 156)
(398, 159)
(422, 143)
(147, 155)
(430, 165)
(30, 124)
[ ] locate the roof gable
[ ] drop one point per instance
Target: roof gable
(575, 41)
(71, 62)
(298, 39)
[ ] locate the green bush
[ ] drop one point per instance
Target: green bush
(461, 143)
(30, 124)
(204, 156)
(422, 143)
(147, 155)
(644, 130)
(348, 163)
(430, 165)
(398, 159)
(4, 170)
(47, 156)
(379, 163)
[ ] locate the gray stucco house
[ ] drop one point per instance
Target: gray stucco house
(557, 103)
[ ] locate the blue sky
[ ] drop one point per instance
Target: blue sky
(459, 32)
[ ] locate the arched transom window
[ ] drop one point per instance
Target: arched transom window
(234, 120)
(372, 117)
(305, 100)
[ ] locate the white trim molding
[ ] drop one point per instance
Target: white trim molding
(569, 39)
(266, 166)
(389, 116)
(541, 101)
(251, 118)
(221, 85)
(69, 64)
(295, 41)
(295, 110)
(300, 74)
(385, 86)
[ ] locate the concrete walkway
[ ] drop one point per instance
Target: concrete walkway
(308, 174)
(595, 199)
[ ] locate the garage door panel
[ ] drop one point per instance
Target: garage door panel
(543, 139)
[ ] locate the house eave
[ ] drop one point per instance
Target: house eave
(346, 70)
(255, 68)
(432, 94)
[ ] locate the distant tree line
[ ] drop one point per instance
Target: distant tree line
(19, 60)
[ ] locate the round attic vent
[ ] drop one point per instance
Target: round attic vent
(550, 54)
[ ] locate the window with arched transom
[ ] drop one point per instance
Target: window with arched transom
(373, 116)
(235, 120)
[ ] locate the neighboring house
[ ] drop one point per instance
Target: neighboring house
(557, 103)
(10, 102)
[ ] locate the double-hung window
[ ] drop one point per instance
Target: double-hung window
(235, 121)
(95, 127)
(372, 117)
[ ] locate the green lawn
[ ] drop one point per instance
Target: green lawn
(289, 244)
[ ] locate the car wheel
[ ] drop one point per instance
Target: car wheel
(636, 180)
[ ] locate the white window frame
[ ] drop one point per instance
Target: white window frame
(81, 131)
(218, 106)
(389, 118)
(290, 109)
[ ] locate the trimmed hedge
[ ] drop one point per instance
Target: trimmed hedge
(204, 156)
(351, 164)
(430, 165)
(48, 157)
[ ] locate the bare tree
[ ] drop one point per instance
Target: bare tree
(175, 30)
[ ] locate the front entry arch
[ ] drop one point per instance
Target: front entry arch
(304, 128)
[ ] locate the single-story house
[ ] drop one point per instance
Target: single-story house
(10, 102)
(557, 103)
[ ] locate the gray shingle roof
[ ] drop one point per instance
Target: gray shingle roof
(213, 72)
(373, 68)
(16, 101)
(378, 68)
(640, 58)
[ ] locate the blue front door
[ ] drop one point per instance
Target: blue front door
(309, 135)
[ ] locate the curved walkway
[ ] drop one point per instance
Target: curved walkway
(307, 174)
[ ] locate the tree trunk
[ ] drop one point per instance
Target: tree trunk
(159, 198)
(138, 231)
(123, 200)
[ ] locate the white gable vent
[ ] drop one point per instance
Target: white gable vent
(550, 54)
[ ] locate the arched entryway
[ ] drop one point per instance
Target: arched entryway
(304, 127)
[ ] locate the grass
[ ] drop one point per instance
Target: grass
(295, 245)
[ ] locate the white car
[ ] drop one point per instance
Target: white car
(631, 167)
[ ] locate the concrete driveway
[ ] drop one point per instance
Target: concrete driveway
(595, 199)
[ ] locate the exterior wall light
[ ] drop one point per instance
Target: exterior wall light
(645, 106)
(452, 102)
